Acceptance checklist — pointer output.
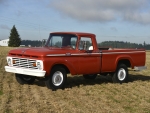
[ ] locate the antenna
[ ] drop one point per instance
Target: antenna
(39, 32)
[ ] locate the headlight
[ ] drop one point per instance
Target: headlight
(39, 64)
(9, 61)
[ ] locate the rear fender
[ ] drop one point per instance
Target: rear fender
(124, 57)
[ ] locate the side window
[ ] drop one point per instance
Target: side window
(73, 42)
(85, 43)
(56, 41)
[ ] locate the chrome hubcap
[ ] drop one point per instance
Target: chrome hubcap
(121, 74)
(57, 78)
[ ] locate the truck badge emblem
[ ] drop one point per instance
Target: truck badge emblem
(23, 51)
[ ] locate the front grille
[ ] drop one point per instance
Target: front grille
(24, 63)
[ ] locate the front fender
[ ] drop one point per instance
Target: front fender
(68, 65)
(50, 62)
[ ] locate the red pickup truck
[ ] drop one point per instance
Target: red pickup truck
(75, 53)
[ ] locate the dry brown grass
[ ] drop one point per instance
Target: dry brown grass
(80, 95)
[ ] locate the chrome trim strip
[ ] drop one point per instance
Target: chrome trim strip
(96, 53)
(124, 52)
(56, 55)
(74, 54)
(86, 54)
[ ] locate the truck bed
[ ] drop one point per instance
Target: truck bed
(132, 57)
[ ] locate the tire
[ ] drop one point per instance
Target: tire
(121, 74)
(57, 79)
(92, 76)
(24, 79)
(104, 74)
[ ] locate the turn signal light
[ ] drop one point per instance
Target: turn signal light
(14, 62)
(34, 64)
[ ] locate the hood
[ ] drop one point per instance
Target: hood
(38, 51)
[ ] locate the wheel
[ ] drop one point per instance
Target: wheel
(121, 74)
(57, 78)
(92, 76)
(24, 79)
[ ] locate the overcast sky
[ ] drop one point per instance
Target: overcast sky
(110, 20)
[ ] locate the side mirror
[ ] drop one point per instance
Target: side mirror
(91, 48)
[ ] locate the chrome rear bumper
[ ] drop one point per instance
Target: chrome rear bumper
(139, 68)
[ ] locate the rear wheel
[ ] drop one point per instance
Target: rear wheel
(90, 76)
(57, 78)
(24, 79)
(121, 74)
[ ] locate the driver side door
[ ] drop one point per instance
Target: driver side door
(89, 62)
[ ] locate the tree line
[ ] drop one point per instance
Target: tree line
(122, 44)
(33, 43)
(113, 44)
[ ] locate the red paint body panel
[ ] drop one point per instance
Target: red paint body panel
(81, 61)
(111, 58)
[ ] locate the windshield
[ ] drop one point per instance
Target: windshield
(60, 41)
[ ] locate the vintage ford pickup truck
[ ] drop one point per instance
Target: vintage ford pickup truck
(75, 53)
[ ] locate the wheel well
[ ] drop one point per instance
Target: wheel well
(63, 66)
(126, 62)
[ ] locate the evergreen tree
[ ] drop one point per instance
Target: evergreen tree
(14, 39)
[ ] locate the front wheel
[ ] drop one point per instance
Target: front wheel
(121, 74)
(57, 78)
(91, 76)
(24, 79)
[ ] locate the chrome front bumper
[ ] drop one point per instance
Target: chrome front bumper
(31, 72)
